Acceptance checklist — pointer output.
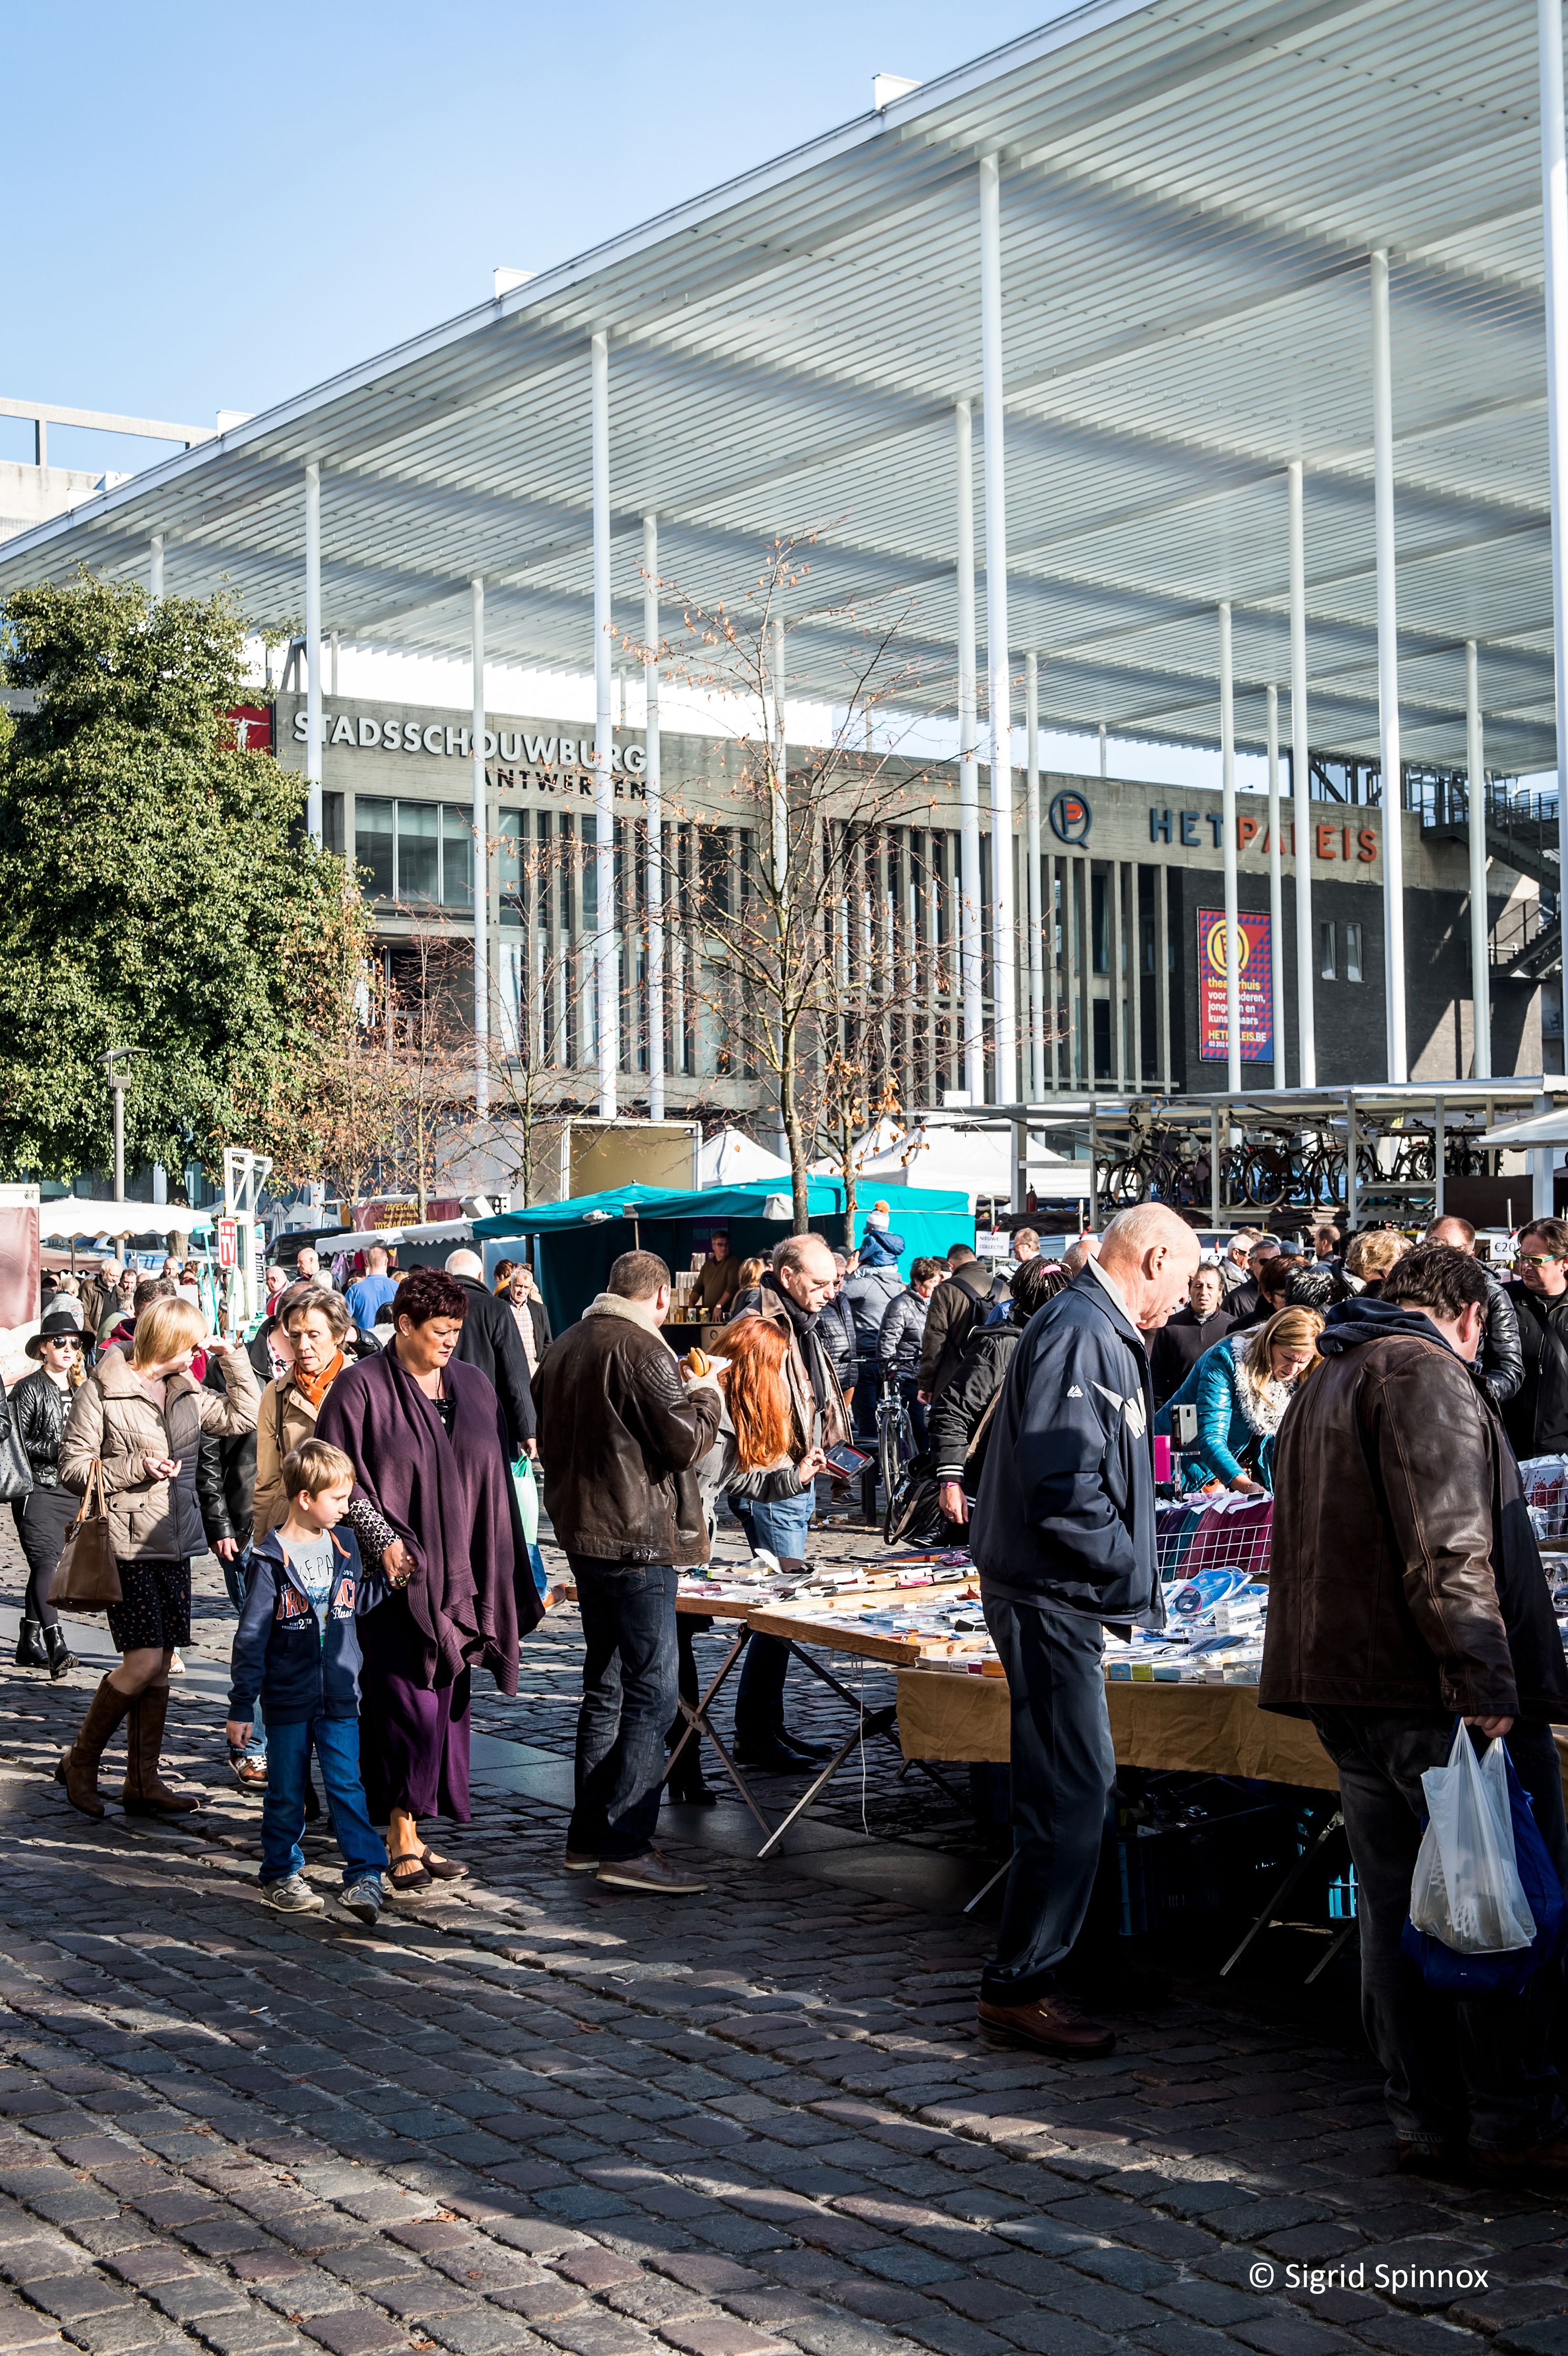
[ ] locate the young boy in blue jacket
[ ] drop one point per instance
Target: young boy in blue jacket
(297, 1647)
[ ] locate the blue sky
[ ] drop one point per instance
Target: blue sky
(223, 206)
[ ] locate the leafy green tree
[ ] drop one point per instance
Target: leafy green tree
(155, 884)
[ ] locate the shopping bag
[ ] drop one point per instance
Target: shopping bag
(527, 1496)
(87, 1576)
(1448, 1973)
(1466, 1890)
(526, 1487)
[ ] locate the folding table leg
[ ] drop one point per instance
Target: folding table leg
(874, 1722)
(698, 1722)
(1005, 1867)
(1334, 1823)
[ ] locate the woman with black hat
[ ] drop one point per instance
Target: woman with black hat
(39, 1404)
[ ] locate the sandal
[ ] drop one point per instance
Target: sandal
(407, 1872)
(442, 1869)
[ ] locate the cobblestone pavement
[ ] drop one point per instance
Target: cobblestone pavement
(537, 2115)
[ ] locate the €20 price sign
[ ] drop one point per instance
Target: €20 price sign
(1254, 975)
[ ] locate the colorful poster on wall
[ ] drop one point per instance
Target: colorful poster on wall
(1255, 976)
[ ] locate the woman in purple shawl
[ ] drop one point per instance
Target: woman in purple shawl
(425, 1437)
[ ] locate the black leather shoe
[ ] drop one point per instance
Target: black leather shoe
(805, 1748)
(772, 1756)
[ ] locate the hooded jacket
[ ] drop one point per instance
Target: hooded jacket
(1405, 1572)
(1065, 1513)
(869, 1291)
(283, 1654)
(903, 1329)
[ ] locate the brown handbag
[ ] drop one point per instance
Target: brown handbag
(87, 1576)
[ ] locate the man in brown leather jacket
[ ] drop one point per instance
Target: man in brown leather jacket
(1406, 1590)
(620, 1437)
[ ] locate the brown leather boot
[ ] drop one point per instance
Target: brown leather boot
(146, 1793)
(78, 1771)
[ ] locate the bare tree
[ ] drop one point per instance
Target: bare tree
(784, 849)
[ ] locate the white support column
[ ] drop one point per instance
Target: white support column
(1554, 232)
(312, 649)
(155, 569)
(655, 815)
(1388, 674)
(1481, 959)
(1114, 886)
(1227, 827)
(1275, 893)
(1033, 913)
(969, 962)
(607, 960)
(779, 759)
(334, 671)
(480, 819)
(1301, 789)
(1004, 957)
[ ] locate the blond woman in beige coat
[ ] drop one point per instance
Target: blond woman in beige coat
(140, 1414)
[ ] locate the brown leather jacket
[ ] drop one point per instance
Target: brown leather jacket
(620, 1438)
(1405, 1573)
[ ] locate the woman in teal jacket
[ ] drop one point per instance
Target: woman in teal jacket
(1241, 1388)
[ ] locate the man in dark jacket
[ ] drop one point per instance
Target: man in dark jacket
(1537, 1414)
(1501, 1363)
(490, 1340)
(620, 1438)
(1246, 1304)
(1064, 1537)
(1183, 1338)
(1405, 1588)
(955, 1308)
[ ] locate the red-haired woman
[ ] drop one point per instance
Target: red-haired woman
(770, 1494)
(425, 1436)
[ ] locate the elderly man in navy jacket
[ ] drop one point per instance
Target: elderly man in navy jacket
(1063, 1538)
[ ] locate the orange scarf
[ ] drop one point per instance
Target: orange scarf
(315, 1388)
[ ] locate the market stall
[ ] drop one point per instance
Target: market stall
(572, 1244)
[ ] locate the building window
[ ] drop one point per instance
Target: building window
(1327, 967)
(421, 853)
(331, 823)
(1352, 952)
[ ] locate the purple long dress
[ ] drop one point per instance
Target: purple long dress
(450, 1498)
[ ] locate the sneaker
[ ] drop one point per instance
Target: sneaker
(251, 1774)
(578, 1860)
(363, 1898)
(652, 1870)
(293, 1896)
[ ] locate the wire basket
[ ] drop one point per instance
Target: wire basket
(1209, 1541)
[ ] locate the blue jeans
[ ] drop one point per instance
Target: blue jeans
(781, 1526)
(235, 1579)
(336, 1744)
(1064, 1773)
(629, 1694)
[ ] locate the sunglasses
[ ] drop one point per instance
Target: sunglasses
(1537, 1260)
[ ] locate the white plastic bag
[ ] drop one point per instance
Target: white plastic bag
(1465, 1888)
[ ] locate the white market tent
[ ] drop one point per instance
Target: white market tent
(1238, 262)
(730, 1158)
(70, 1215)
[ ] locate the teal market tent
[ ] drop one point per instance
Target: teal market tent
(578, 1239)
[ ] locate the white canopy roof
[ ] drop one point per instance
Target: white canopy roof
(74, 1214)
(730, 1158)
(1189, 193)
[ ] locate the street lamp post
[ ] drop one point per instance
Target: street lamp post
(118, 1064)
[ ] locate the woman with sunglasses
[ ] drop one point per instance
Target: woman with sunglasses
(39, 1404)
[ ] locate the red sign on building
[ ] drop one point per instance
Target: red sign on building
(1255, 973)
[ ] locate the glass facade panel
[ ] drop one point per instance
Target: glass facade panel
(419, 853)
(1326, 966)
(456, 858)
(1352, 952)
(373, 844)
(513, 834)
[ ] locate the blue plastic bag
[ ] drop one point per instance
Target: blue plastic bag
(1448, 1973)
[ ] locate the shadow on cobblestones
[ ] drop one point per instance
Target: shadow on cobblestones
(533, 2114)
